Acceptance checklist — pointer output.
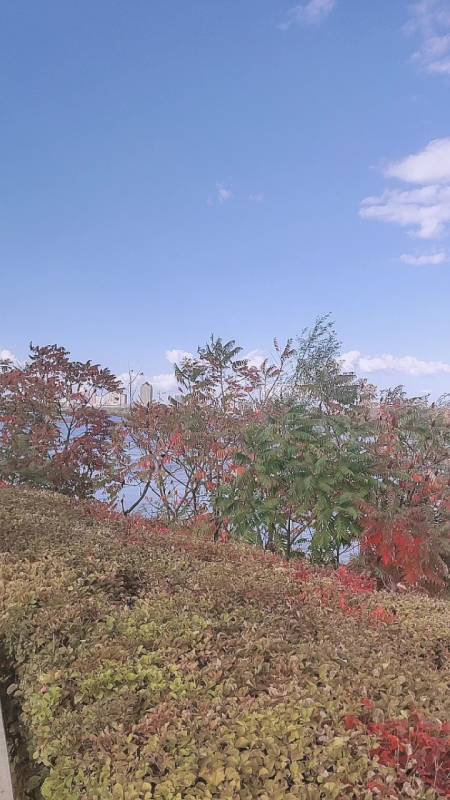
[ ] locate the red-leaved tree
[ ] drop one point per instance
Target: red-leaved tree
(178, 455)
(407, 525)
(53, 431)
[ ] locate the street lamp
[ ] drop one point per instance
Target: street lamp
(132, 377)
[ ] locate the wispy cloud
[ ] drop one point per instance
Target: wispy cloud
(312, 12)
(425, 210)
(223, 193)
(407, 365)
(426, 259)
(430, 24)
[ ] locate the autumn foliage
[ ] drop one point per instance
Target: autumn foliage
(292, 454)
(419, 744)
(144, 661)
(406, 527)
(51, 434)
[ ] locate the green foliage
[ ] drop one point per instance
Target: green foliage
(318, 375)
(152, 663)
(305, 476)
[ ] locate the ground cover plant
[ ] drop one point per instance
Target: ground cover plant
(145, 661)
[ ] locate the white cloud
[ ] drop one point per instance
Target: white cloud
(309, 13)
(165, 383)
(137, 379)
(429, 166)
(425, 209)
(7, 355)
(177, 356)
(430, 23)
(355, 361)
(223, 193)
(425, 259)
(255, 358)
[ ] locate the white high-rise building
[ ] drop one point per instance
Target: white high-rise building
(146, 393)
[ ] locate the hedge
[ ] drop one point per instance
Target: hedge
(152, 663)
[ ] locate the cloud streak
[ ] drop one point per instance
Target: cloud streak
(425, 212)
(312, 12)
(424, 260)
(354, 361)
(223, 193)
(430, 24)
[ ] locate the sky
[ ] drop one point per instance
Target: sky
(236, 167)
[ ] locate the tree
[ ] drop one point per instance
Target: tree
(319, 378)
(53, 432)
(298, 486)
(184, 456)
(308, 469)
(182, 452)
(407, 523)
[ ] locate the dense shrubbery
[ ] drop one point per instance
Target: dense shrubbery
(150, 662)
(296, 457)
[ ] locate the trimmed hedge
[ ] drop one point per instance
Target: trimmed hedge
(151, 663)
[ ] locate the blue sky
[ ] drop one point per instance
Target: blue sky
(169, 170)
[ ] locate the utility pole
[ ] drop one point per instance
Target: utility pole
(132, 377)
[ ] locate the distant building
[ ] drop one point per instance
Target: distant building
(118, 398)
(146, 394)
(111, 399)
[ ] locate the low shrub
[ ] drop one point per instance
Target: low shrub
(152, 663)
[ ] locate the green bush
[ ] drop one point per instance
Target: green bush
(154, 664)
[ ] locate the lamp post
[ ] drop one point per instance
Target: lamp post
(132, 377)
